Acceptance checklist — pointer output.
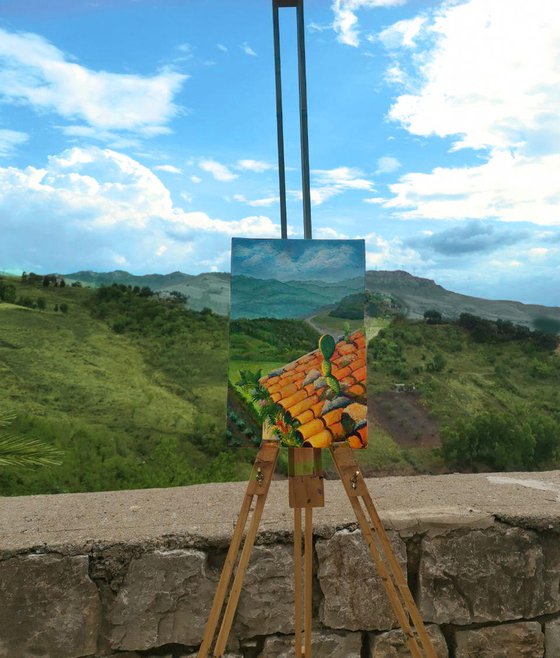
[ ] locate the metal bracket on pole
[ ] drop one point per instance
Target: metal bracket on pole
(304, 139)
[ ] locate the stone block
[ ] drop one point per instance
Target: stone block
(521, 640)
(393, 644)
(165, 599)
(325, 645)
(48, 607)
(552, 638)
(266, 604)
(488, 576)
(354, 597)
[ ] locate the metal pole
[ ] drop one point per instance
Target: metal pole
(305, 185)
(304, 139)
(280, 123)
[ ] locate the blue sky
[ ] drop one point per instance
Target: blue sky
(140, 135)
(298, 260)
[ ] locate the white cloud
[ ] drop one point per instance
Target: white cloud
(117, 210)
(218, 170)
(508, 188)
(491, 94)
(402, 34)
(188, 198)
(248, 50)
(345, 22)
(10, 139)
(170, 169)
(36, 73)
(258, 166)
(387, 164)
(489, 80)
(389, 254)
(327, 233)
(257, 203)
(220, 46)
(196, 179)
(332, 182)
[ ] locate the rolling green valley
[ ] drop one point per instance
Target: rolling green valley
(129, 386)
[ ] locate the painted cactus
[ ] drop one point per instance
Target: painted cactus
(327, 346)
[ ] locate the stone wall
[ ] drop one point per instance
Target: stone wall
(485, 586)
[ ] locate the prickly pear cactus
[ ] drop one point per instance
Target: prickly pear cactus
(327, 347)
(332, 383)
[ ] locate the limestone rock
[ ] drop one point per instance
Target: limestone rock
(324, 644)
(393, 644)
(521, 640)
(266, 604)
(488, 576)
(354, 595)
(552, 637)
(165, 599)
(48, 607)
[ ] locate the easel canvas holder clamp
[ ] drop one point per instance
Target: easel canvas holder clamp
(305, 475)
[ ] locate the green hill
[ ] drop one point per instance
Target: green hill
(131, 389)
(255, 298)
(427, 379)
(404, 292)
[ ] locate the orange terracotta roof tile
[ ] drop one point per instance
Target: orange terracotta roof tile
(325, 416)
(311, 428)
(321, 440)
(332, 417)
(305, 417)
(290, 400)
(302, 406)
(360, 374)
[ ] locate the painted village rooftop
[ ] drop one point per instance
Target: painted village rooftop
(323, 413)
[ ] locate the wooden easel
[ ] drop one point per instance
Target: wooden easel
(306, 491)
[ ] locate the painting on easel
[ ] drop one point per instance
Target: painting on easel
(297, 369)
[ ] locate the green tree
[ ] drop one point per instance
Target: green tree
(64, 307)
(432, 316)
(498, 441)
(41, 304)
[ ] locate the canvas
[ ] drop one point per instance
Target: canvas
(297, 367)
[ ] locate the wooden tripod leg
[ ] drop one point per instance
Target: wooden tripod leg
(308, 579)
(238, 580)
(225, 577)
(298, 584)
(385, 560)
(258, 487)
(399, 577)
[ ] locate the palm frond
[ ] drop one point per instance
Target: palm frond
(6, 418)
(19, 451)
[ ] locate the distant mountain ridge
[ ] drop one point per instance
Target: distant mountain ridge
(415, 294)
(257, 298)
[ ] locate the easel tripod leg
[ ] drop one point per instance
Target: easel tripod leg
(308, 578)
(385, 560)
(238, 580)
(225, 577)
(298, 583)
(258, 488)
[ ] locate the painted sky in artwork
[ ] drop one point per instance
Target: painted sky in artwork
(140, 135)
(299, 260)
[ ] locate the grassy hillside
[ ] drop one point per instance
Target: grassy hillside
(133, 391)
(424, 378)
(133, 388)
